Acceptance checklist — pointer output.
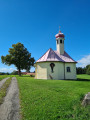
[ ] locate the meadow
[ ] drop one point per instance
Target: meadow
(53, 99)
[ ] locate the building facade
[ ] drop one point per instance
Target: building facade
(56, 64)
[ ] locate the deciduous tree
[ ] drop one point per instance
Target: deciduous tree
(18, 56)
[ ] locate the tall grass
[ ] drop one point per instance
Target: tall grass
(3, 89)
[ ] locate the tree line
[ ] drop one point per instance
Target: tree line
(85, 70)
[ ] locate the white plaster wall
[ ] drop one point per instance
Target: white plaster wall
(60, 46)
(41, 71)
(72, 74)
(58, 70)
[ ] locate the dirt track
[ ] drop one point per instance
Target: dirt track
(3, 81)
(9, 110)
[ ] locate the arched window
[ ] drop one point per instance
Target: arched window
(60, 41)
(52, 65)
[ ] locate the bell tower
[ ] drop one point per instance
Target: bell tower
(60, 42)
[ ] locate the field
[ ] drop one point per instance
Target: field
(53, 99)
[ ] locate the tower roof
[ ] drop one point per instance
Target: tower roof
(51, 55)
(60, 34)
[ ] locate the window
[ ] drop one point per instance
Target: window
(68, 69)
(60, 41)
(52, 65)
(57, 41)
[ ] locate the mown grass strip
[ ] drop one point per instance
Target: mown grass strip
(3, 89)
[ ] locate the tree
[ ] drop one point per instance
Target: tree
(87, 66)
(81, 70)
(19, 56)
(14, 72)
(88, 69)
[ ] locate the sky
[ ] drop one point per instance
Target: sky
(35, 23)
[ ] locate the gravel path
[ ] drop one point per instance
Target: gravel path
(9, 110)
(3, 81)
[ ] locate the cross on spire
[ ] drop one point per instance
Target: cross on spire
(59, 29)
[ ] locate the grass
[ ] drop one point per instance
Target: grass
(3, 76)
(83, 77)
(53, 99)
(3, 89)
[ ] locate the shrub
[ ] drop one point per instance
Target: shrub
(32, 75)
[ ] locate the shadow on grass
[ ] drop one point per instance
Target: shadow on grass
(26, 76)
(79, 79)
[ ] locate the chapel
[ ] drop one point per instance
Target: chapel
(57, 65)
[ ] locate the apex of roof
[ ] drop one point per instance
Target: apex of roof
(51, 55)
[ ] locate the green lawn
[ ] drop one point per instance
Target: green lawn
(83, 77)
(53, 99)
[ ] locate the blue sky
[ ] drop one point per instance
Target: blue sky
(35, 23)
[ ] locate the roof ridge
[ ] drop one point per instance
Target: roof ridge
(49, 51)
(65, 55)
(44, 54)
(69, 56)
(58, 56)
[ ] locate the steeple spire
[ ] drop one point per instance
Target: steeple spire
(59, 29)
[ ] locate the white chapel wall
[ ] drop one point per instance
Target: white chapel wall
(72, 74)
(44, 70)
(41, 71)
(58, 71)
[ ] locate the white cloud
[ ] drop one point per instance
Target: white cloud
(84, 61)
(9, 70)
(6, 70)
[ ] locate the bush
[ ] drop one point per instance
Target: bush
(32, 75)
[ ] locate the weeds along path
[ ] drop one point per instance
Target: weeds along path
(9, 110)
(3, 81)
